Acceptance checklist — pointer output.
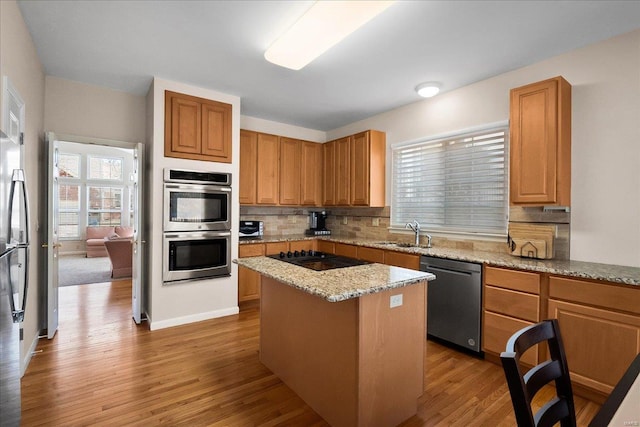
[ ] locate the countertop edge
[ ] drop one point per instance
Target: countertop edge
(623, 275)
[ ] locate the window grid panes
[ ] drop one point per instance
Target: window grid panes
(105, 168)
(456, 184)
(69, 165)
(104, 205)
(69, 211)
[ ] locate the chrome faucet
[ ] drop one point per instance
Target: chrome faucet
(415, 226)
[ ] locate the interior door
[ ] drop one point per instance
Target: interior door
(138, 247)
(52, 245)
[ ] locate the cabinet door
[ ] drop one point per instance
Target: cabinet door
(248, 166)
(342, 176)
(248, 284)
(289, 171)
(183, 123)
(359, 169)
(600, 344)
(216, 131)
(329, 173)
(311, 174)
(540, 141)
(268, 169)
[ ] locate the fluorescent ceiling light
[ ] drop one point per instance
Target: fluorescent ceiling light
(427, 90)
(325, 24)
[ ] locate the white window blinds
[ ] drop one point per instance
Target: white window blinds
(456, 184)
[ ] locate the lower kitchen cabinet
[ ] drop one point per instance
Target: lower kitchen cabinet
(600, 326)
(511, 302)
(249, 280)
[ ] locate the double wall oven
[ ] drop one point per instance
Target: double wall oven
(197, 225)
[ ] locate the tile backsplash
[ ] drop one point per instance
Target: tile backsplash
(373, 224)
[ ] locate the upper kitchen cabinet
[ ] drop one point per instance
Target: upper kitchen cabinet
(540, 144)
(342, 179)
(290, 169)
(355, 176)
(329, 173)
(267, 192)
(248, 167)
(311, 174)
(367, 174)
(197, 128)
(259, 166)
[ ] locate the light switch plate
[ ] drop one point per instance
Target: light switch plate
(395, 301)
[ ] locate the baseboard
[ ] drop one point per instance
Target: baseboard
(177, 321)
(27, 357)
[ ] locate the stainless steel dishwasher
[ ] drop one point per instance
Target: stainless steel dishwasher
(454, 301)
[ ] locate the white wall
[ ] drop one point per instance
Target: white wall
(86, 110)
(605, 209)
(19, 61)
(187, 302)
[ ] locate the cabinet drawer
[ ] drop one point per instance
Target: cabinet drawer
(275, 248)
(601, 294)
(371, 254)
(497, 331)
(511, 279)
(350, 251)
(326, 246)
(250, 250)
(512, 303)
(400, 259)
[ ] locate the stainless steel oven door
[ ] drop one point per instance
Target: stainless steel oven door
(196, 255)
(190, 207)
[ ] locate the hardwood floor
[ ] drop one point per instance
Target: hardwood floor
(103, 369)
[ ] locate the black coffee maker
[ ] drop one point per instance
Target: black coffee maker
(317, 225)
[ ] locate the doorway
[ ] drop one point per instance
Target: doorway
(93, 218)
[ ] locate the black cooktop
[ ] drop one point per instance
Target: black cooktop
(316, 260)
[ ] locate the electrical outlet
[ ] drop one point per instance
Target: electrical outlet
(375, 222)
(344, 220)
(395, 301)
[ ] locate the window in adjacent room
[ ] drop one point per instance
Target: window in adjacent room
(105, 205)
(457, 184)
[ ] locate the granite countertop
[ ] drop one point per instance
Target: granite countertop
(338, 284)
(579, 269)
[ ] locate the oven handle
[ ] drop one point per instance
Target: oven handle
(195, 187)
(196, 235)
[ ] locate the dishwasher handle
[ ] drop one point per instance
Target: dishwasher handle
(446, 270)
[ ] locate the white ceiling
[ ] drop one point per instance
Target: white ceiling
(220, 44)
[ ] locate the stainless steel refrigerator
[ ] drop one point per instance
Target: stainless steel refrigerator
(14, 258)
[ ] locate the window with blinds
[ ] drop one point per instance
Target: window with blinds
(456, 184)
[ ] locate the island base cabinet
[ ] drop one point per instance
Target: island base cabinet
(356, 362)
(600, 344)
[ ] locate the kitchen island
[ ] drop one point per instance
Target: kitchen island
(349, 341)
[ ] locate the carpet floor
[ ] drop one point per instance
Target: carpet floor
(78, 270)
